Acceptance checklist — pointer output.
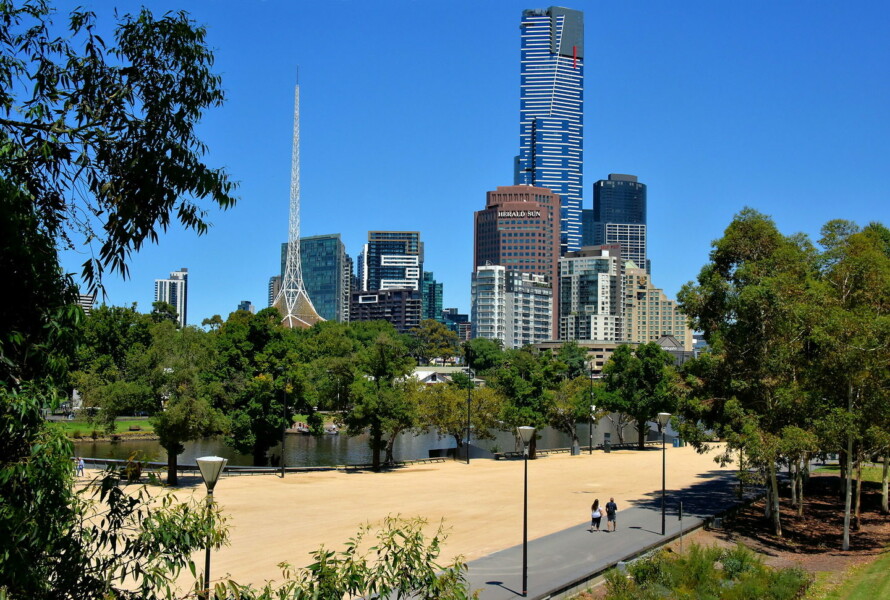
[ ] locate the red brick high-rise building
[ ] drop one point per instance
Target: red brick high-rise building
(520, 230)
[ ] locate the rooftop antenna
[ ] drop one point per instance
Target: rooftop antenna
(293, 301)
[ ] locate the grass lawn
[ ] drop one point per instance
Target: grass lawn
(869, 473)
(86, 428)
(868, 583)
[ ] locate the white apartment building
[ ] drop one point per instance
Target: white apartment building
(591, 297)
(514, 307)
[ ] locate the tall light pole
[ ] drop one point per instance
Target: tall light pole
(592, 408)
(526, 434)
(211, 468)
(284, 427)
(469, 388)
(663, 419)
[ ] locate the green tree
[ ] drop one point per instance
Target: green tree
(852, 327)
(483, 354)
(377, 401)
(642, 384)
(184, 413)
(523, 379)
(105, 148)
(753, 303)
(444, 408)
(163, 311)
(568, 404)
(433, 340)
(121, 131)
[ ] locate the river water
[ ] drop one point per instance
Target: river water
(308, 450)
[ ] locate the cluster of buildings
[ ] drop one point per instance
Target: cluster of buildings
(545, 270)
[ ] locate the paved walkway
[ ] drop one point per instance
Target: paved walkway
(574, 554)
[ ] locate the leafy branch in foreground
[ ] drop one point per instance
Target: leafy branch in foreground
(403, 563)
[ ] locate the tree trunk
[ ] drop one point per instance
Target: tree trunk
(376, 442)
(792, 480)
(776, 515)
(259, 456)
(848, 485)
(741, 474)
(172, 477)
(858, 494)
(884, 507)
(801, 478)
(641, 435)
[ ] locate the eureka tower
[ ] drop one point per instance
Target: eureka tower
(551, 111)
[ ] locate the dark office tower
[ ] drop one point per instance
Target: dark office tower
(431, 292)
(551, 111)
(326, 274)
(587, 227)
(246, 305)
(619, 216)
(400, 307)
(392, 260)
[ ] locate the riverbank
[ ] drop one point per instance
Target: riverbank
(274, 519)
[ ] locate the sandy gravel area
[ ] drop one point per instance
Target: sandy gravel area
(274, 520)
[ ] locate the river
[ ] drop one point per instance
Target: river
(307, 450)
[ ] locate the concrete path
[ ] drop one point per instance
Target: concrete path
(573, 555)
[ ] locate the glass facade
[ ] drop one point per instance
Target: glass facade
(431, 291)
(619, 216)
(551, 111)
(392, 260)
(326, 274)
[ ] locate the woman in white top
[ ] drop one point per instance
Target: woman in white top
(596, 515)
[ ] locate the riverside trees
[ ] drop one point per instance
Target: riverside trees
(799, 339)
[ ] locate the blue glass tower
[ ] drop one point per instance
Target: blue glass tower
(551, 111)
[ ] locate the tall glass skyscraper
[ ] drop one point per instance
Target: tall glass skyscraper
(551, 111)
(327, 274)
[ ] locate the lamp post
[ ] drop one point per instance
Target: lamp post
(592, 408)
(526, 434)
(663, 419)
(284, 427)
(469, 389)
(211, 468)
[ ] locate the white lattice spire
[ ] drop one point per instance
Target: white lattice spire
(293, 302)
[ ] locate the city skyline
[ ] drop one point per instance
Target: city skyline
(714, 107)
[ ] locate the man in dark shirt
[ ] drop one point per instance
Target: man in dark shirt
(611, 510)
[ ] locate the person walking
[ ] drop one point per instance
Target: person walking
(596, 515)
(80, 466)
(611, 512)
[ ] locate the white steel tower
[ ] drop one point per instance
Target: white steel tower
(293, 302)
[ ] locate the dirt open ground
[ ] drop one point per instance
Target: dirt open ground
(274, 520)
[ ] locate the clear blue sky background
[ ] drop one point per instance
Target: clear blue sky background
(410, 114)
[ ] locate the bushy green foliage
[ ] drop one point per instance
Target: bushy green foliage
(705, 573)
(401, 563)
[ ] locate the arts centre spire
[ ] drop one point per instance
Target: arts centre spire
(292, 301)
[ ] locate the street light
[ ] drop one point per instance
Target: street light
(592, 408)
(469, 389)
(663, 419)
(592, 411)
(211, 467)
(526, 434)
(284, 427)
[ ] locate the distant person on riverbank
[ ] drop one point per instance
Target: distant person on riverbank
(79, 466)
(611, 513)
(596, 515)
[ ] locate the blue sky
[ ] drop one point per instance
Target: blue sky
(410, 114)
